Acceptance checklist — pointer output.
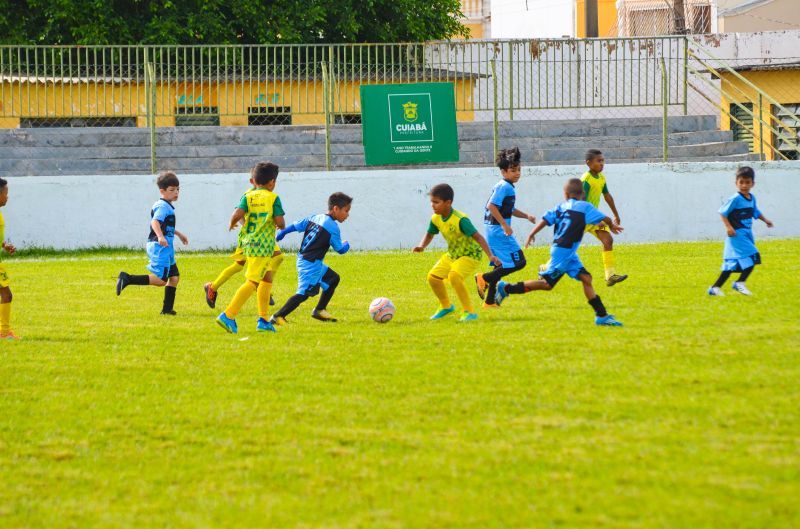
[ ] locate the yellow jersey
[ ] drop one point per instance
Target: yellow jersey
(2, 233)
(594, 186)
(457, 230)
(261, 206)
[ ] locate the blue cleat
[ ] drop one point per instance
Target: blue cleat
(501, 292)
(227, 323)
(608, 320)
(441, 313)
(264, 326)
(468, 316)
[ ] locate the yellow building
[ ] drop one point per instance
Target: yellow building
(476, 18)
(603, 24)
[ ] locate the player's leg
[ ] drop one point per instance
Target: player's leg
(291, 304)
(436, 278)
(330, 280)
(160, 259)
(602, 317)
(462, 268)
(263, 294)
(746, 266)
(517, 262)
(274, 264)
(169, 291)
(5, 307)
(256, 268)
(309, 275)
(612, 278)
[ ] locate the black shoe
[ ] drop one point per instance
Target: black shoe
(168, 313)
(271, 300)
(123, 280)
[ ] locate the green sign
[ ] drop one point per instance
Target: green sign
(409, 123)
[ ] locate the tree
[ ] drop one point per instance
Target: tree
(227, 21)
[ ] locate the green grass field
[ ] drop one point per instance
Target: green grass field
(688, 417)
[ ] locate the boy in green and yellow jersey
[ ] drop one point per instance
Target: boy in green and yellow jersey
(594, 186)
(262, 212)
(5, 291)
(465, 247)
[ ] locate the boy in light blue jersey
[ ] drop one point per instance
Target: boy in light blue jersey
(740, 254)
(320, 232)
(497, 219)
(569, 220)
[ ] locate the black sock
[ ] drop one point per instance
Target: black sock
(139, 280)
(745, 274)
(169, 299)
(722, 278)
(325, 298)
(291, 304)
(516, 288)
(599, 308)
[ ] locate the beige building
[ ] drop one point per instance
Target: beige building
(739, 16)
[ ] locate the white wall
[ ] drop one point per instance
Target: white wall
(518, 19)
(658, 202)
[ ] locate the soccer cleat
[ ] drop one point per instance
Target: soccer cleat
(608, 320)
(715, 291)
(227, 323)
(467, 316)
(480, 283)
(501, 293)
(264, 326)
(211, 295)
(123, 279)
(168, 313)
(322, 315)
(614, 279)
(10, 336)
(278, 320)
(441, 313)
(491, 306)
(741, 288)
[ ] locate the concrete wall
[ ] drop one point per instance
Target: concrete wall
(657, 202)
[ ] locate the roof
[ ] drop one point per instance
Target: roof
(742, 6)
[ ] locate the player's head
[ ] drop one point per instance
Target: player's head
(168, 185)
(507, 161)
(595, 160)
(441, 198)
(264, 174)
(745, 178)
(574, 188)
(339, 206)
(3, 192)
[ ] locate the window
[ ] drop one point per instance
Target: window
(269, 116)
(196, 116)
(115, 121)
(701, 19)
(743, 131)
(647, 22)
(347, 119)
(788, 124)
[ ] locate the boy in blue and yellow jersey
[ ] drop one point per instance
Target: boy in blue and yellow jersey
(497, 219)
(594, 187)
(740, 254)
(5, 290)
(160, 245)
(569, 220)
(239, 260)
(320, 232)
(465, 247)
(262, 212)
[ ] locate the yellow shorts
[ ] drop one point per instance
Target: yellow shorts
(463, 266)
(238, 254)
(4, 281)
(594, 228)
(257, 268)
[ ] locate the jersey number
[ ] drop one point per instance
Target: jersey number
(254, 219)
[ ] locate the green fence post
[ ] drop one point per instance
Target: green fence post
(685, 76)
(664, 104)
(150, 101)
(326, 92)
(510, 74)
(761, 127)
(496, 125)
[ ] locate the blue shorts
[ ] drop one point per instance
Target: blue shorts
(556, 269)
(505, 247)
(162, 260)
(739, 265)
(310, 276)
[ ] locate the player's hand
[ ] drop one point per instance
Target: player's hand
(530, 240)
(495, 260)
(162, 241)
(617, 221)
(532, 219)
(184, 239)
(769, 224)
(731, 232)
(418, 249)
(616, 228)
(10, 248)
(507, 230)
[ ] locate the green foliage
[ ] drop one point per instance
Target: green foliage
(687, 417)
(226, 21)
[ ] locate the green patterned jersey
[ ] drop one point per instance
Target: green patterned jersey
(261, 206)
(457, 230)
(243, 229)
(594, 186)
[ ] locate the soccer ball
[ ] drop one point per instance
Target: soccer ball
(381, 310)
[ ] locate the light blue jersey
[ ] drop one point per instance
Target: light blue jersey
(505, 247)
(162, 258)
(569, 220)
(740, 250)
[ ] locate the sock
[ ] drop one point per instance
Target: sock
(745, 274)
(226, 274)
(5, 317)
(274, 264)
(491, 279)
(722, 278)
(461, 291)
(291, 304)
(139, 280)
(437, 285)
(239, 299)
(332, 279)
(169, 299)
(516, 288)
(262, 295)
(608, 263)
(599, 308)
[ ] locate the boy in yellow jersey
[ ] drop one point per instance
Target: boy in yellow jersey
(262, 212)
(465, 247)
(211, 289)
(594, 186)
(5, 291)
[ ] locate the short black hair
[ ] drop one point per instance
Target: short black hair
(574, 187)
(442, 191)
(3, 183)
(167, 179)
(746, 171)
(508, 158)
(264, 173)
(591, 154)
(340, 200)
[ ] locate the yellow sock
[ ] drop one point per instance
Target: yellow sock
(239, 299)
(262, 295)
(5, 317)
(274, 264)
(437, 285)
(608, 263)
(226, 274)
(461, 291)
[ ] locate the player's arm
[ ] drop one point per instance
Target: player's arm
(612, 205)
(522, 215)
(299, 225)
(280, 223)
(728, 227)
(612, 225)
(156, 225)
(184, 239)
(495, 213)
(337, 244)
(536, 229)
(236, 218)
(426, 240)
(492, 259)
(760, 217)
